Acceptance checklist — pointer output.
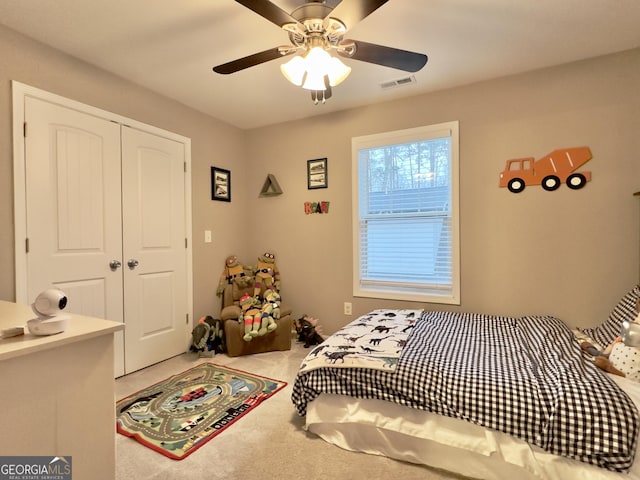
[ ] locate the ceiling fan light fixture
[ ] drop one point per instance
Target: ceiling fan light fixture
(294, 70)
(314, 81)
(338, 71)
(310, 71)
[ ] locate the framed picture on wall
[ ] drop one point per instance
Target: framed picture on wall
(220, 184)
(317, 175)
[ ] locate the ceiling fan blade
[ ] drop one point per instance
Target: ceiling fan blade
(250, 61)
(385, 56)
(268, 10)
(351, 12)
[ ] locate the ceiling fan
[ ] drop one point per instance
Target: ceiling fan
(314, 29)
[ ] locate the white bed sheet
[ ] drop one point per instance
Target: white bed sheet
(384, 428)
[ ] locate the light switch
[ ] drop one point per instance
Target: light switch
(207, 236)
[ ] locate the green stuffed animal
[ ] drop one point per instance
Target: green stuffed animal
(234, 272)
(270, 311)
(266, 274)
(251, 315)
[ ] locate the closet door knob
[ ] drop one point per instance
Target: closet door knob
(114, 265)
(133, 263)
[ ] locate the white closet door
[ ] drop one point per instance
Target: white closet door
(74, 228)
(98, 193)
(155, 254)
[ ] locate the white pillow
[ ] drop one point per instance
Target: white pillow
(627, 360)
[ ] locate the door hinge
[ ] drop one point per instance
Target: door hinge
(185, 167)
(26, 245)
(187, 319)
(186, 243)
(24, 129)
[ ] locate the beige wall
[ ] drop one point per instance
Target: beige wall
(567, 253)
(212, 143)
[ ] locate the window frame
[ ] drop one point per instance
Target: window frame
(394, 290)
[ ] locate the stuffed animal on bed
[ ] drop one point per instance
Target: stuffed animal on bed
(625, 358)
(233, 272)
(266, 274)
(600, 359)
(617, 358)
(251, 315)
(622, 355)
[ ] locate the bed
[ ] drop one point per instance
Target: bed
(516, 396)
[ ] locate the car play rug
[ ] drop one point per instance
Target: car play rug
(179, 415)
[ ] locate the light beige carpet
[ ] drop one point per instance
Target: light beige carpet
(267, 443)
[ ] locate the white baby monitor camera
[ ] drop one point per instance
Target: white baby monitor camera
(48, 307)
(50, 302)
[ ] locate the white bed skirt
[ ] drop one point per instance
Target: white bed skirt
(383, 428)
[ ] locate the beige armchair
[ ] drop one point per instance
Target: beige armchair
(279, 339)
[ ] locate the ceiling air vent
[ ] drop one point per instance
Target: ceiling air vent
(398, 82)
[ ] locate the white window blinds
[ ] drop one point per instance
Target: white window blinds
(406, 214)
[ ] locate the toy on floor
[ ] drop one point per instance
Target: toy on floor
(207, 337)
(308, 331)
(251, 315)
(266, 274)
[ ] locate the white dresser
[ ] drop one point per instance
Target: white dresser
(57, 393)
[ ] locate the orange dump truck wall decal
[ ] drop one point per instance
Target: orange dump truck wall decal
(549, 171)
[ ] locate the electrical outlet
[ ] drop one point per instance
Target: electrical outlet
(347, 308)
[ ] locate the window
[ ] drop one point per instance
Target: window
(405, 211)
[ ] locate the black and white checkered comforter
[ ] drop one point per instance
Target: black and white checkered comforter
(522, 376)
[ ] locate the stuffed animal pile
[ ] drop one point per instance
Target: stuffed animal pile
(260, 311)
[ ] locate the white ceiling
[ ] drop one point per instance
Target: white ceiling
(171, 47)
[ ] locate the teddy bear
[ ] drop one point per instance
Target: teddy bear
(266, 274)
(233, 272)
(251, 314)
(270, 311)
